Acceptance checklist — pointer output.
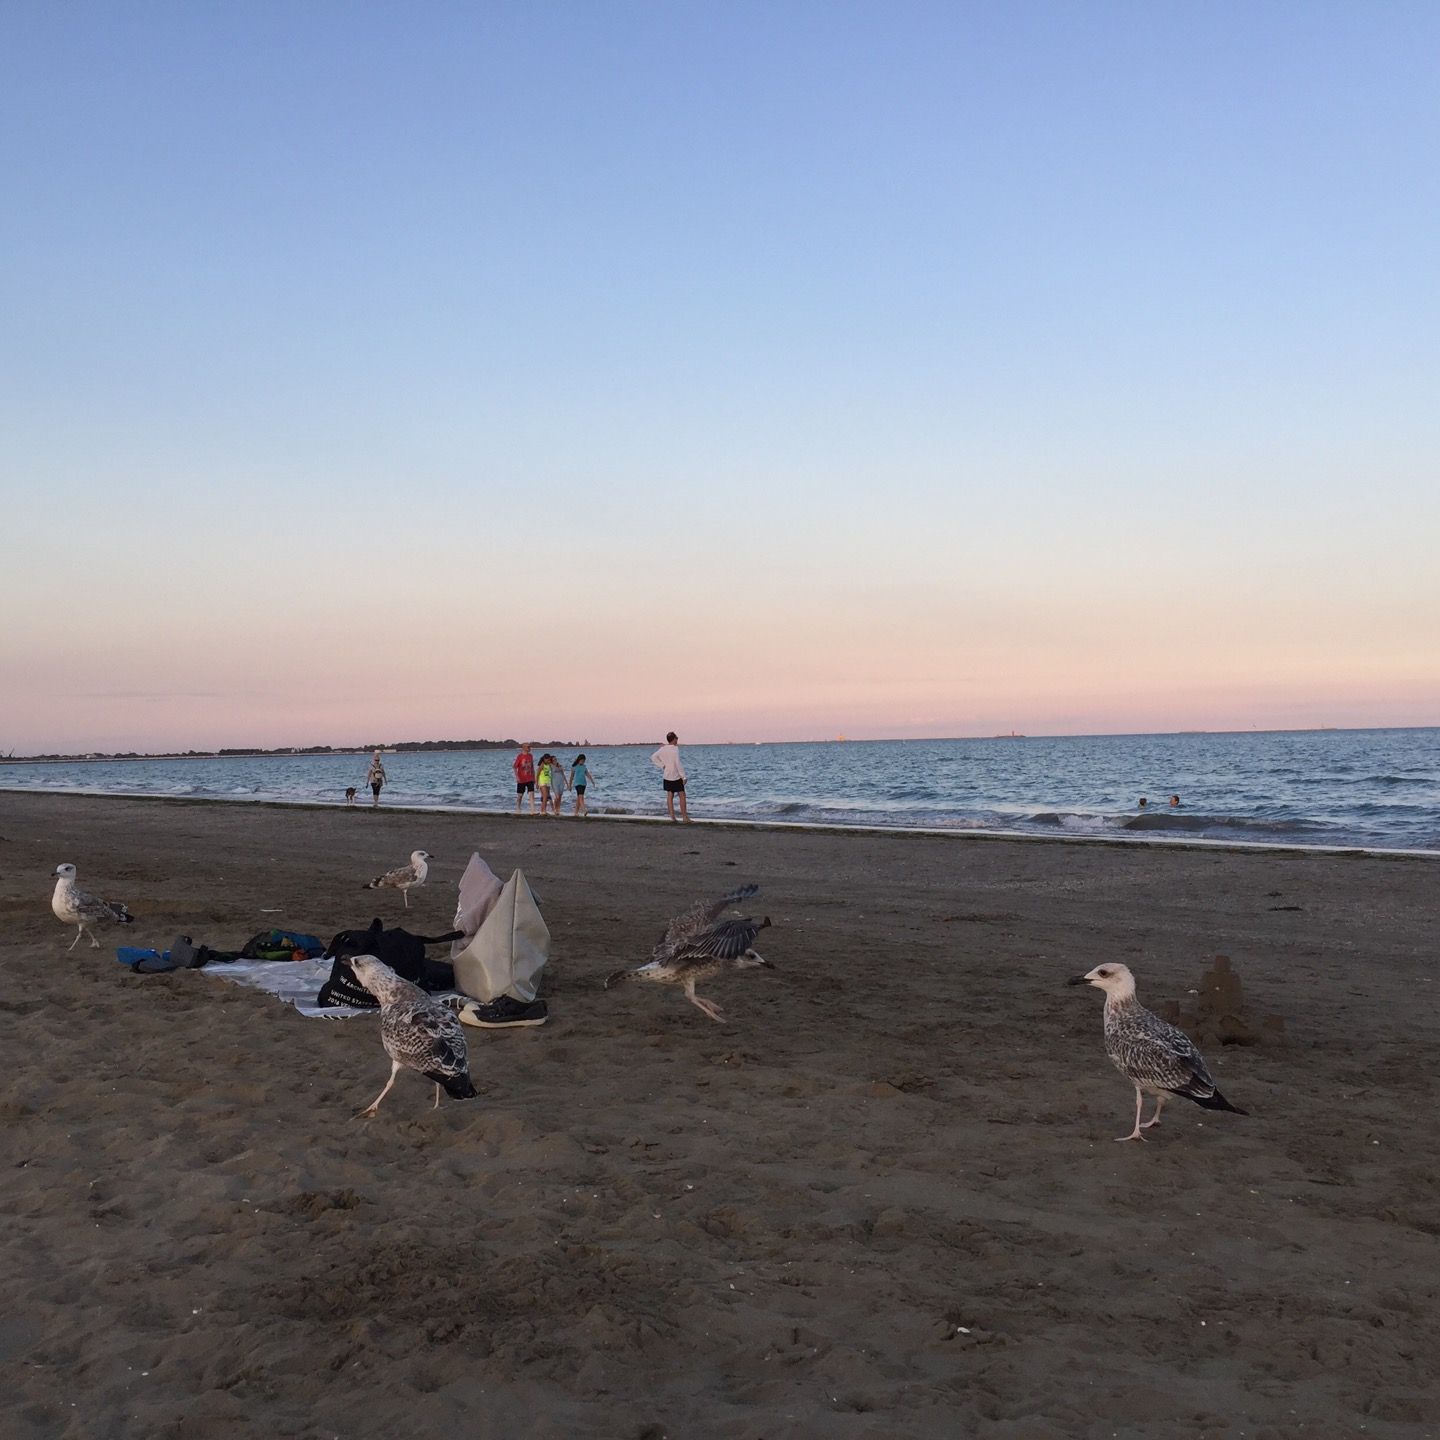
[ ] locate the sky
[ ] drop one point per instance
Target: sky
(758, 371)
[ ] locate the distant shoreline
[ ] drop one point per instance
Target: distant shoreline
(434, 747)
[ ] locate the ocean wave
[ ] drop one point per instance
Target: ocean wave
(1192, 822)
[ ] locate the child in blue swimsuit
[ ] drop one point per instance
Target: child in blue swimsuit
(579, 779)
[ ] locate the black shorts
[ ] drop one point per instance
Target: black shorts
(521, 786)
(375, 790)
(579, 789)
(674, 786)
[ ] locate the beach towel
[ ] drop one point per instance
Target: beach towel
(509, 950)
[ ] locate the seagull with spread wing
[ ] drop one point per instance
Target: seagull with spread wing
(698, 943)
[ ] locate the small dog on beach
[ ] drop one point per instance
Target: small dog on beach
(350, 795)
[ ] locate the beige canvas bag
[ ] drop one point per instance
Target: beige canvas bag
(480, 888)
(510, 949)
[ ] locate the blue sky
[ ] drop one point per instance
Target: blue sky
(935, 367)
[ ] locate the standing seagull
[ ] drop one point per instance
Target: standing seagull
(402, 879)
(697, 944)
(418, 1033)
(1152, 1054)
(74, 906)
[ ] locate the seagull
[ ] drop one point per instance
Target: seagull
(74, 906)
(418, 1033)
(1152, 1054)
(403, 878)
(697, 944)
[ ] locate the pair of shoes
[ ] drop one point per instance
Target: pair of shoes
(503, 1013)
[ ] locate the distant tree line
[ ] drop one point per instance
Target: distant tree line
(399, 747)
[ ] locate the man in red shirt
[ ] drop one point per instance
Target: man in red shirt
(524, 768)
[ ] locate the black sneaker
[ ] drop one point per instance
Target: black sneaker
(504, 1012)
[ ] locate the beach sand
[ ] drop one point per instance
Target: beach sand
(883, 1201)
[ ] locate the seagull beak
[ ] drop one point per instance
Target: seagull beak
(768, 964)
(1077, 980)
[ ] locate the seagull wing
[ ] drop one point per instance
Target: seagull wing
(1156, 1053)
(424, 1036)
(724, 940)
(700, 915)
(92, 907)
(401, 875)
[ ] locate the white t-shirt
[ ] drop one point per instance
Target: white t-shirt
(667, 758)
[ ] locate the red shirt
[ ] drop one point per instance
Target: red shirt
(524, 765)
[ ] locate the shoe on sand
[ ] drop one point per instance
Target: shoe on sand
(503, 1013)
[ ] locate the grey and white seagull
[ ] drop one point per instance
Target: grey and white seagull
(418, 1033)
(74, 906)
(1149, 1052)
(405, 877)
(697, 944)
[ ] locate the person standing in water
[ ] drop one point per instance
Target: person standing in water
(580, 777)
(524, 767)
(667, 760)
(375, 777)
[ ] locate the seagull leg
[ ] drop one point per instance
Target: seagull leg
(709, 1007)
(405, 895)
(94, 943)
(1155, 1118)
(1139, 1105)
(375, 1103)
(436, 1105)
(78, 933)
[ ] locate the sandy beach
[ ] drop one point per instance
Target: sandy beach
(883, 1201)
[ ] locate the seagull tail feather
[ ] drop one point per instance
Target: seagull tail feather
(457, 1087)
(1217, 1101)
(741, 892)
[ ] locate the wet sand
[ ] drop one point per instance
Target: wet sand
(883, 1201)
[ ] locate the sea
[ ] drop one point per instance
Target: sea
(1376, 789)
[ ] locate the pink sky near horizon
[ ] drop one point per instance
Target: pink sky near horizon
(294, 669)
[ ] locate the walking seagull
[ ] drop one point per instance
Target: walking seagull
(1152, 1054)
(418, 1033)
(74, 906)
(404, 877)
(697, 944)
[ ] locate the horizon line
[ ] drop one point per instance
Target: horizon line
(238, 752)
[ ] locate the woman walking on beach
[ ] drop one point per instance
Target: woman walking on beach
(580, 777)
(375, 778)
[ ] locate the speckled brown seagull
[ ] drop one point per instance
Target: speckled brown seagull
(74, 906)
(1155, 1057)
(405, 877)
(418, 1033)
(697, 944)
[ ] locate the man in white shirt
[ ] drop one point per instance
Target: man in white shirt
(667, 760)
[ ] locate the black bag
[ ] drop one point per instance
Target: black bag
(344, 988)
